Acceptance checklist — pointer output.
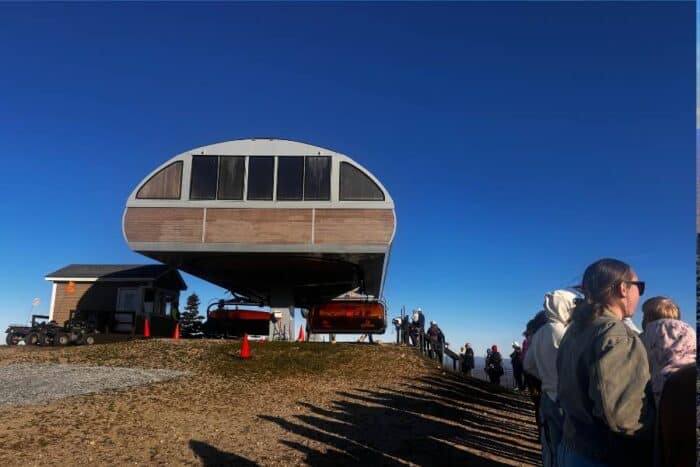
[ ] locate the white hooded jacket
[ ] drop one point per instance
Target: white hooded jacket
(541, 357)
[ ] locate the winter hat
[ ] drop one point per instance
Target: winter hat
(494, 348)
(516, 345)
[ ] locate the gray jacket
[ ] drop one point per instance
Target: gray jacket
(604, 389)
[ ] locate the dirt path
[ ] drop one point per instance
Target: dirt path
(290, 405)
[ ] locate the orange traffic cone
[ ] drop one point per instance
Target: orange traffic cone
(176, 334)
(146, 329)
(245, 351)
(301, 334)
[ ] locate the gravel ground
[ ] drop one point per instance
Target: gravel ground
(24, 384)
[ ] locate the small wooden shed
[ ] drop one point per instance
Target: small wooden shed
(117, 297)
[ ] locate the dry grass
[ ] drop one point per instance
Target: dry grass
(270, 360)
(292, 403)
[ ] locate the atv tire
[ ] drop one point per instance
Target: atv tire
(45, 339)
(31, 339)
(61, 339)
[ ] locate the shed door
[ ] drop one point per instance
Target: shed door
(127, 301)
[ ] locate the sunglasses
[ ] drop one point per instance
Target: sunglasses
(640, 286)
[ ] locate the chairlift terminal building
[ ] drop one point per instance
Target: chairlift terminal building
(281, 222)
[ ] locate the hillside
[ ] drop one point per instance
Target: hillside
(299, 404)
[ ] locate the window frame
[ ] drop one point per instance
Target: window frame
(179, 186)
(330, 179)
(277, 180)
(273, 174)
(363, 173)
(216, 188)
(243, 181)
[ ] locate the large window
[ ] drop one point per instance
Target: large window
(317, 178)
(163, 185)
(357, 186)
(224, 178)
(231, 177)
(229, 171)
(203, 185)
(290, 178)
(260, 177)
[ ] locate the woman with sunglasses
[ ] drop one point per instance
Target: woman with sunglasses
(603, 372)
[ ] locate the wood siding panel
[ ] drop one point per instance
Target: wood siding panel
(87, 296)
(64, 302)
(164, 224)
(280, 226)
(354, 226)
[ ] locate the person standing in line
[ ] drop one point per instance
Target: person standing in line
(517, 365)
(671, 346)
(534, 385)
(397, 327)
(486, 362)
(405, 330)
(436, 340)
(417, 326)
(541, 362)
(604, 384)
(467, 360)
(494, 366)
(670, 342)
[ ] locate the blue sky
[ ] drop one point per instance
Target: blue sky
(520, 142)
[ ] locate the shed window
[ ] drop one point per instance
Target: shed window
(260, 177)
(357, 186)
(163, 185)
(231, 177)
(317, 178)
(203, 184)
(290, 178)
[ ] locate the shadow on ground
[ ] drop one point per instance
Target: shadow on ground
(446, 420)
(210, 456)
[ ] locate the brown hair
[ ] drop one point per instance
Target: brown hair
(598, 287)
(659, 308)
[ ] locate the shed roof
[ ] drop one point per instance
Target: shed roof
(126, 272)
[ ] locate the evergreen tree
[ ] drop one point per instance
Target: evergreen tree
(190, 319)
